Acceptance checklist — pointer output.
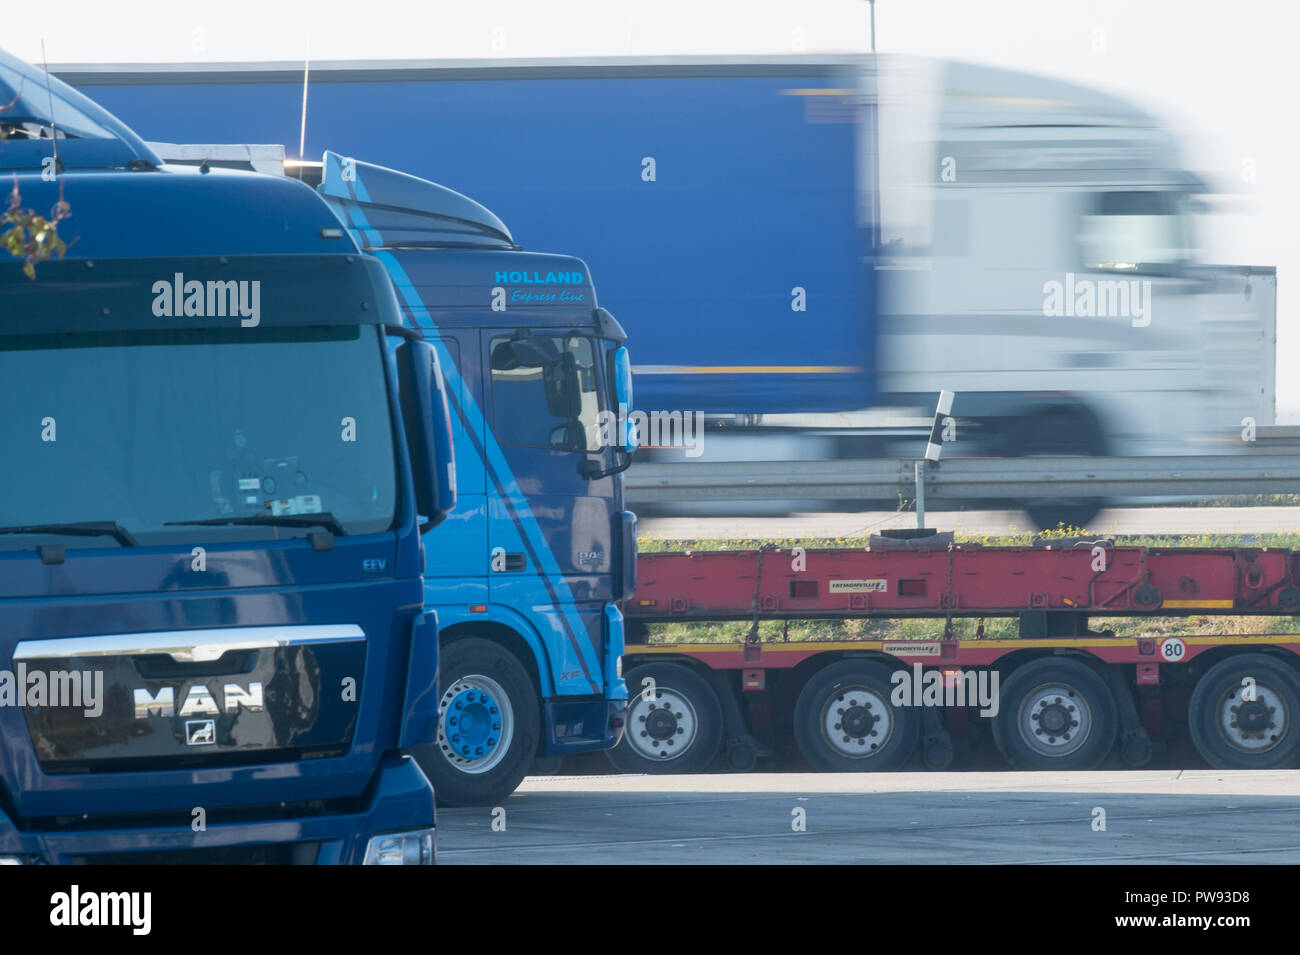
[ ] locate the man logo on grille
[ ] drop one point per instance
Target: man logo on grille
(200, 732)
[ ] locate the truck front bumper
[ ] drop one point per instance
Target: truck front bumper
(399, 800)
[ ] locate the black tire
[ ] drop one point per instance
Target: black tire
(1060, 433)
(679, 731)
(1271, 738)
(881, 736)
(472, 666)
(1043, 708)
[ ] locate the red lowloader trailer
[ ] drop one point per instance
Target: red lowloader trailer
(1059, 695)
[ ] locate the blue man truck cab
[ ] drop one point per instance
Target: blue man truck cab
(527, 572)
(222, 446)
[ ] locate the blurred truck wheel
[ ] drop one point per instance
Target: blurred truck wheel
(1055, 713)
(845, 723)
(488, 726)
(1243, 713)
(673, 725)
(1059, 433)
(1049, 515)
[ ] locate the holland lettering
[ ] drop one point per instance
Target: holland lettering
(539, 278)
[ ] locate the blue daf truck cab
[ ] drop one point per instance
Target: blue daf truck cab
(529, 569)
(222, 447)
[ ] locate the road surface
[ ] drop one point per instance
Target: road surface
(1149, 817)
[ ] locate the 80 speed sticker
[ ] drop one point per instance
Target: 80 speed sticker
(1173, 650)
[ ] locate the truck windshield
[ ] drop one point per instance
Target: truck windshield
(145, 428)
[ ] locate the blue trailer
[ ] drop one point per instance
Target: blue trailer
(726, 206)
(807, 250)
(222, 446)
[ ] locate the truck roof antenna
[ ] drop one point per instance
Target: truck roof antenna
(302, 128)
(54, 130)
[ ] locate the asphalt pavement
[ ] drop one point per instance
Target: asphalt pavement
(1098, 818)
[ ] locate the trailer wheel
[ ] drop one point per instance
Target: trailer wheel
(1243, 713)
(844, 722)
(677, 730)
(488, 727)
(1055, 713)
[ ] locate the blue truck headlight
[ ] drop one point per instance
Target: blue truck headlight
(413, 847)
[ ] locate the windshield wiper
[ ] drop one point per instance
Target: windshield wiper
(324, 519)
(83, 529)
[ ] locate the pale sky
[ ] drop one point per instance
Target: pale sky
(1223, 76)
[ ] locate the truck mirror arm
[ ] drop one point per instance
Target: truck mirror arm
(592, 470)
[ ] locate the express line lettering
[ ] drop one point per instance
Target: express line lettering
(527, 298)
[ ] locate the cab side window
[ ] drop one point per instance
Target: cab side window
(545, 392)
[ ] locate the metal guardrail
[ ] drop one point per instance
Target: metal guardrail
(963, 478)
(1276, 438)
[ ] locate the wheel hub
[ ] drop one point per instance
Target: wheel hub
(1253, 717)
(661, 723)
(476, 724)
(1253, 725)
(856, 722)
(662, 728)
(473, 723)
(1055, 719)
